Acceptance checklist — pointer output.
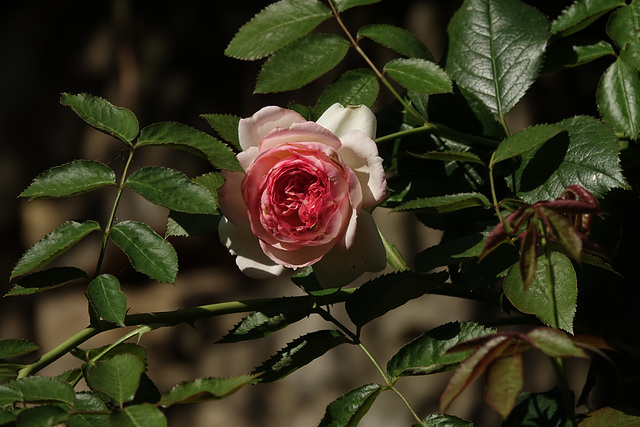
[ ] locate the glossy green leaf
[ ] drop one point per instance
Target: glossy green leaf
(587, 154)
(270, 318)
(454, 251)
(348, 410)
(185, 224)
(172, 189)
(204, 389)
(102, 115)
(624, 29)
(567, 53)
(472, 367)
(301, 62)
(396, 38)
(554, 343)
(427, 354)
(448, 203)
(444, 420)
(42, 416)
(298, 353)
(145, 415)
(355, 87)
(226, 125)
(385, 293)
(611, 417)
(53, 245)
(107, 299)
(419, 75)
(524, 141)
(70, 179)
(538, 409)
(117, 377)
(450, 156)
(149, 253)
(275, 27)
(618, 97)
(14, 347)
(496, 49)
(86, 403)
(503, 383)
(537, 299)
(183, 137)
(580, 14)
(44, 280)
(36, 389)
(343, 5)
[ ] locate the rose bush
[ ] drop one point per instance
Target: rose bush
(300, 199)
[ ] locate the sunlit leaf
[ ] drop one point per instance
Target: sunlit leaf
(145, 415)
(348, 410)
(107, 299)
(149, 253)
(524, 141)
(396, 38)
(117, 377)
(36, 389)
(618, 97)
(580, 14)
(419, 75)
(226, 125)
(275, 27)
(343, 5)
(567, 53)
(86, 406)
(355, 87)
(53, 245)
(301, 62)
(204, 389)
(14, 347)
(624, 29)
(102, 115)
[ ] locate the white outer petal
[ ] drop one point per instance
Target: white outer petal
(360, 153)
(341, 120)
(339, 267)
(252, 129)
(250, 259)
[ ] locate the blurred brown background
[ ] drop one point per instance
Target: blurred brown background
(164, 61)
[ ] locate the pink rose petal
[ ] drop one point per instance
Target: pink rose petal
(230, 198)
(300, 132)
(252, 129)
(340, 120)
(360, 153)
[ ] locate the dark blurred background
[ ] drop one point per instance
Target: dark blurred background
(164, 61)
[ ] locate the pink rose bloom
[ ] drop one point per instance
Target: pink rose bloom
(300, 199)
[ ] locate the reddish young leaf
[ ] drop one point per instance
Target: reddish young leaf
(528, 255)
(510, 225)
(554, 343)
(472, 367)
(503, 383)
(563, 231)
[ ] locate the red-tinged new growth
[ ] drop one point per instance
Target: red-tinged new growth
(565, 220)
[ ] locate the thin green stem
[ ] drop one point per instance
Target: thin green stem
(112, 217)
(492, 184)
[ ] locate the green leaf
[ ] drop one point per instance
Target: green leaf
(204, 389)
(523, 141)
(145, 415)
(624, 29)
(618, 98)
(348, 410)
(398, 39)
(107, 299)
(122, 348)
(70, 179)
(444, 420)
(301, 62)
(564, 231)
(587, 154)
(226, 125)
(448, 203)
(496, 49)
(355, 87)
(581, 14)
(567, 53)
(427, 354)
(172, 189)
(453, 251)
(89, 402)
(539, 409)
(272, 317)
(42, 416)
(149, 253)
(504, 381)
(343, 5)
(554, 343)
(102, 115)
(419, 75)
(117, 377)
(36, 389)
(183, 137)
(450, 156)
(298, 353)
(385, 293)
(41, 281)
(185, 224)
(6, 416)
(611, 417)
(275, 27)
(14, 347)
(537, 299)
(53, 245)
